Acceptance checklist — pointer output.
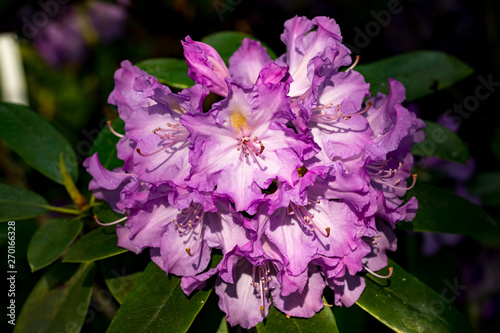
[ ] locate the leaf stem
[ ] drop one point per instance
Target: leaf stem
(63, 210)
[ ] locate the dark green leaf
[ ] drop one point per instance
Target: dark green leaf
(495, 147)
(168, 308)
(227, 42)
(59, 301)
(51, 240)
(169, 71)
(421, 72)
(19, 204)
(442, 211)
(105, 145)
(405, 304)
(122, 272)
(36, 141)
(276, 321)
(486, 185)
(488, 239)
(97, 244)
(442, 143)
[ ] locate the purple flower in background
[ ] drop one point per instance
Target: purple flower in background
(295, 175)
(67, 36)
(108, 20)
(62, 41)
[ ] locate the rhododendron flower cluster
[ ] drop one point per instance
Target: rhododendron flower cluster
(296, 174)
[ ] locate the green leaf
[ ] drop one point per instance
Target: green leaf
(97, 244)
(488, 239)
(59, 301)
(168, 308)
(169, 71)
(51, 240)
(223, 326)
(19, 204)
(277, 321)
(122, 272)
(36, 140)
(495, 147)
(442, 143)
(442, 211)
(105, 145)
(487, 186)
(405, 304)
(227, 42)
(421, 72)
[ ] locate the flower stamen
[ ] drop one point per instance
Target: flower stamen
(188, 221)
(249, 146)
(378, 275)
(319, 114)
(96, 219)
(262, 283)
(354, 64)
(113, 131)
(306, 219)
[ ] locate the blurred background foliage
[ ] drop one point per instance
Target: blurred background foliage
(70, 60)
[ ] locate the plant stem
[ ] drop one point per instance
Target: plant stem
(63, 210)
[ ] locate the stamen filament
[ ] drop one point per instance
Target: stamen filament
(354, 64)
(378, 275)
(153, 153)
(414, 177)
(304, 217)
(96, 219)
(113, 131)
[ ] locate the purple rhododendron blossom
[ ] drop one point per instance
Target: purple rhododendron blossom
(296, 175)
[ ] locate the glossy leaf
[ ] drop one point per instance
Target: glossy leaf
(36, 140)
(105, 145)
(19, 204)
(276, 321)
(442, 211)
(405, 304)
(442, 143)
(97, 244)
(51, 240)
(421, 72)
(227, 42)
(168, 308)
(169, 71)
(59, 301)
(122, 272)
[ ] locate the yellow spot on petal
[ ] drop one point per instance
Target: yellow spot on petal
(238, 119)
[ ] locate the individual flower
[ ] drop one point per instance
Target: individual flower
(243, 144)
